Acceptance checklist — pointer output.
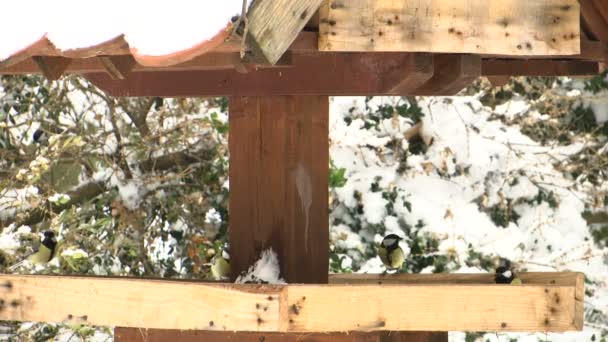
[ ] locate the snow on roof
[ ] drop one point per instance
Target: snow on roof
(156, 32)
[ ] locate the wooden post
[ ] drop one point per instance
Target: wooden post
(279, 162)
(279, 165)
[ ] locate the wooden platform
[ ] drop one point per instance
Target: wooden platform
(461, 302)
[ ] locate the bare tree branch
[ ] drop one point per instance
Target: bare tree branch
(91, 190)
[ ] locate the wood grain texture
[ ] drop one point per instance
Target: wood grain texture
(551, 302)
(274, 25)
(154, 335)
(509, 27)
(139, 303)
(279, 165)
(432, 308)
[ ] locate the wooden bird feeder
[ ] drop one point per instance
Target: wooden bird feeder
(297, 54)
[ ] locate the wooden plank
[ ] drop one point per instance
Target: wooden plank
(337, 74)
(52, 67)
(274, 25)
(299, 308)
(279, 162)
(593, 19)
(139, 303)
(452, 74)
(501, 67)
(118, 67)
(433, 308)
(509, 27)
(528, 278)
(154, 335)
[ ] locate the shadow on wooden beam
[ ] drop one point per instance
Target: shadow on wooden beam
(155, 335)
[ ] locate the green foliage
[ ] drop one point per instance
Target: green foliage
(473, 336)
(337, 178)
(600, 235)
(545, 196)
(502, 213)
(597, 83)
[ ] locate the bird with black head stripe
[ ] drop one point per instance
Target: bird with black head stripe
(43, 254)
(390, 253)
(505, 274)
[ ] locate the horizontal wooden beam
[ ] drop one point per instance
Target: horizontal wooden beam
(528, 278)
(116, 65)
(339, 74)
(597, 51)
(508, 27)
(501, 67)
(156, 335)
(547, 302)
(334, 74)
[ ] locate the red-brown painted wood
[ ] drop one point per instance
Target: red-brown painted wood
(154, 335)
(279, 164)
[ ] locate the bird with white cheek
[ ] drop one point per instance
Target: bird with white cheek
(43, 254)
(390, 253)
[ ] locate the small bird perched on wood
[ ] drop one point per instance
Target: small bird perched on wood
(390, 253)
(43, 254)
(505, 274)
(220, 266)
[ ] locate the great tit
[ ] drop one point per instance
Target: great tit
(390, 253)
(220, 266)
(43, 254)
(506, 275)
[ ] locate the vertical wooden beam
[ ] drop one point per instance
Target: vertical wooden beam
(279, 157)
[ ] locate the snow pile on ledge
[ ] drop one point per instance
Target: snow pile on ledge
(265, 270)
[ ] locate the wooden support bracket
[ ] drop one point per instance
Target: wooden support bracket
(118, 67)
(52, 67)
(452, 74)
